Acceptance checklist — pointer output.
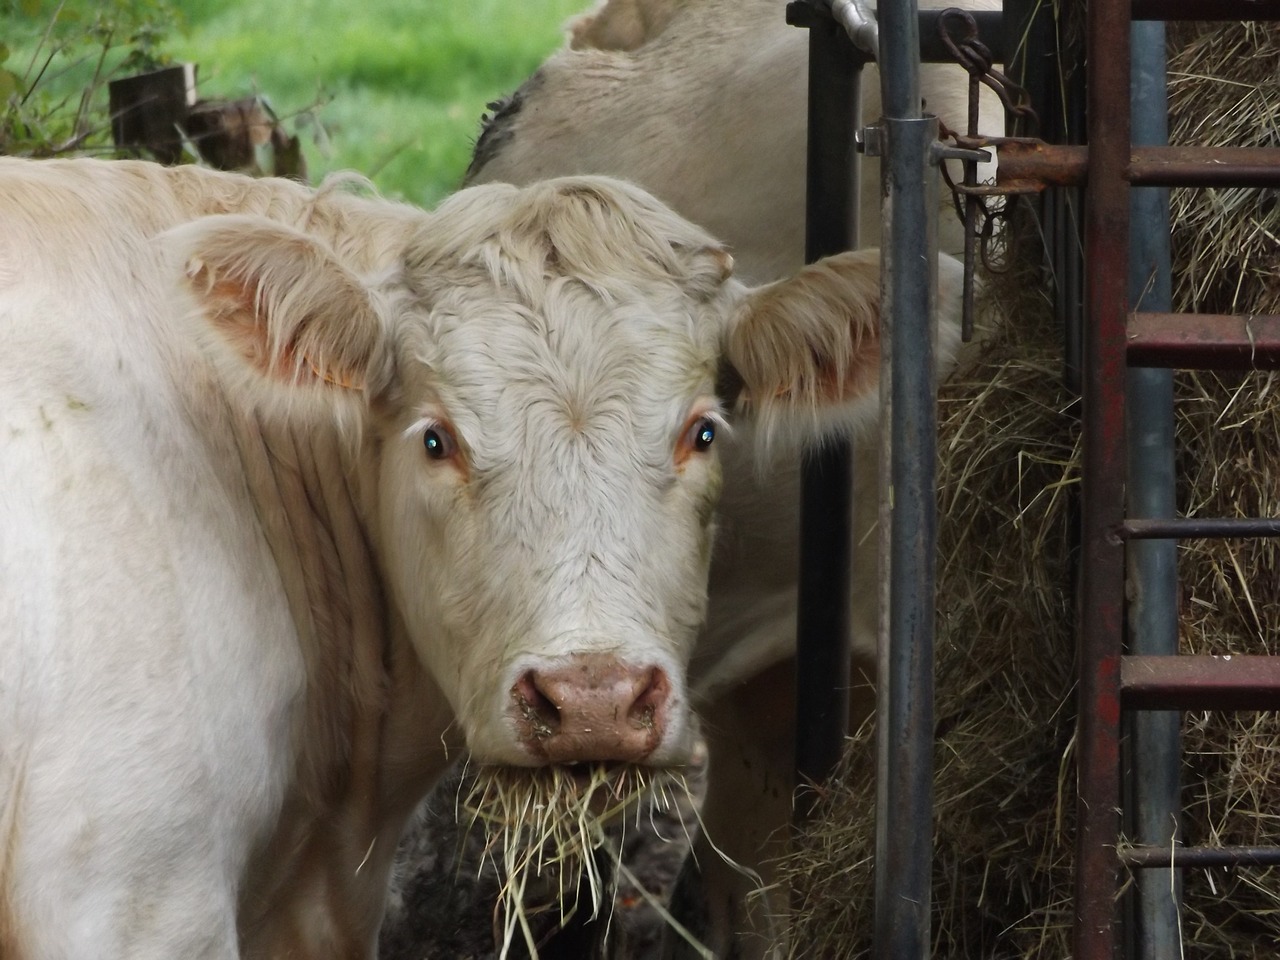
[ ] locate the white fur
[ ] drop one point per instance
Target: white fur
(244, 618)
(702, 102)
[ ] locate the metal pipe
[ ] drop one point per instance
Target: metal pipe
(1191, 528)
(1101, 599)
(1029, 165)
(1204, 341)
(990, 28)
(904, 817)
(1149, 857)
(1226, 682)
(904, 821)
(859, 21)
(804, 13)
(1154, 745)
(1206, 10)
(899, 60)
(826, 509)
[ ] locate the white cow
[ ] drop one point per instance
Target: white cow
(303, 491)
(702, 102)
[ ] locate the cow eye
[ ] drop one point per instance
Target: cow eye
(698, 435)
(702, 433)
(439, 442)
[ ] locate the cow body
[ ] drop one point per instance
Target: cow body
(702, 102)
(198, 663)
(304, 493)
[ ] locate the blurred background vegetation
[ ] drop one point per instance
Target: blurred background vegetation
(391, 88)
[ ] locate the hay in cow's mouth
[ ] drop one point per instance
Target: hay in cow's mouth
(548, 824)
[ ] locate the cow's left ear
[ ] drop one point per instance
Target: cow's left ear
(279, 307)
(806, 350)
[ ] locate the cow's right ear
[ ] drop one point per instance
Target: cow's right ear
(804, 353)
(806, 350)
(277, 307)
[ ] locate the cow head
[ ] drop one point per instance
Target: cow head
(544, 378)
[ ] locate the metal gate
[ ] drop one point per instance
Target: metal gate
(1125, 509)
(1131, 680)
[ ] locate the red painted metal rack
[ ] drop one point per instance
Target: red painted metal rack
(1117, 338)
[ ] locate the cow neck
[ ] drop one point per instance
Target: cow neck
(304, 491)
(368, 736)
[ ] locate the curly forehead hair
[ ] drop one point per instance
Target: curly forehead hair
(606, 233)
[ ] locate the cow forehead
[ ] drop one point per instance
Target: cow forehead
(582, 293)
(607, 235)
(575, 359)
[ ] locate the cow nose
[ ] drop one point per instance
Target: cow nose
(591, 707)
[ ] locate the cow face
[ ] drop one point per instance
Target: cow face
(544, 378)
(548, 487)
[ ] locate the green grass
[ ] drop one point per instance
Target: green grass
(401, 83)
(393, 89)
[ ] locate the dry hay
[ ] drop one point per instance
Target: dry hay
(567, 862)
(1007, 469)
(1224, 90)
(545, 831)
(1008, 478)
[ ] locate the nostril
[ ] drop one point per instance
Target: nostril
(537, 709)
(592, 707)
(647, 707)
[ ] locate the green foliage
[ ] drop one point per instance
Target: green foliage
(58, 58)
(391, 88)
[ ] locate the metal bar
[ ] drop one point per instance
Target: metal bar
(1028, 165)
(1069, 266)
(826, 511)
(859, 22)
(1228, 682)
(1101, 601)
(909, 176)
(990, 30)
(1206, 9)
(899, 60)
(1027, 37)
(1199, 528)
(905, 704)
(804, 13)
(1154, 749)
(1033, 164)
(1183, 166)
(1191, 341)
(1148, 856)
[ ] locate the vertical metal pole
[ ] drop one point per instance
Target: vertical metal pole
(1104, 458)
(1067, 123)
(1051, 71)
(1154, 744)
(826, 509)
(1031, 61)
(904, 819)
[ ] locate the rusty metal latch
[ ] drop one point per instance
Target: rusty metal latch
(959, 33)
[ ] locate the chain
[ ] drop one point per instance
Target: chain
(974, 203)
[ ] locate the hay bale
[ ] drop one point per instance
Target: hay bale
(1008, 475)
(1225, 91)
